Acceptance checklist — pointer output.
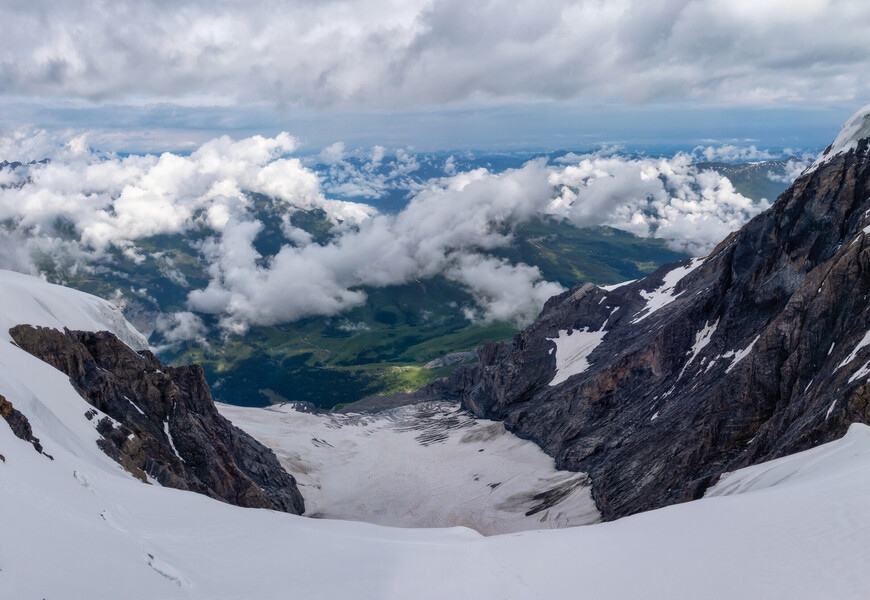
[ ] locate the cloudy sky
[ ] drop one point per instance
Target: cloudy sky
(158, 116)
(435, 74)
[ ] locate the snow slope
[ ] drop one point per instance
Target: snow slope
(427, 465)
(852, 132)
(80, 527)
(26, 299)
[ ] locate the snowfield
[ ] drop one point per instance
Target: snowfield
(80, 527)
(428, 465)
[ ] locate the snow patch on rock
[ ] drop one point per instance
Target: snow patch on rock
(737, 355)
(702, 338)
(865, 341)
(664, 294)
(573, 350)
(861, 373)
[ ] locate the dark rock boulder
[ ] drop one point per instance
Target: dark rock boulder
(759, 350)
(162, 421)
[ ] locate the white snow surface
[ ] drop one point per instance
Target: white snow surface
(861, 373)
(737, 355)
(852, 132)
(614, 286)
(865, 341)
(702, 338)
(80, 527)
(573, 350)
(664, 294)
(27, 299)
(428, 465)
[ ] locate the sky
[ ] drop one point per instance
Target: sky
(156, 75)
(159, 117)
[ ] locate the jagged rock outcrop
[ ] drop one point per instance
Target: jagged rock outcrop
(162, 420)
(19, 424)
(656, 387)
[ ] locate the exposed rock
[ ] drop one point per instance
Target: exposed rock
(303, 406)
(162, 421)
(456, 358)
(19, 424)
(658, 386)
(375, 404)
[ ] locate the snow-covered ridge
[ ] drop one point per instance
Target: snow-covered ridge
(853, 131)
(32, 301)
(826, 462)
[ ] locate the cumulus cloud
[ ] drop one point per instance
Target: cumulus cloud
(502, 291)
(333, 153)
(178, 327)
(390, 53)
(83, 205)
(732, 153)
(670, 199)
(435, 234)
(113, 200)
(369, 175)
(793, 168)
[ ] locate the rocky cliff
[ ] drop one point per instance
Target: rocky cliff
(656, 387)
(162, 421)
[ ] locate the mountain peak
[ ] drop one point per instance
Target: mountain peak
(657, 387)
(855, 129)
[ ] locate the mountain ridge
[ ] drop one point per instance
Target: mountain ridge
(161, 422)
(704, 366)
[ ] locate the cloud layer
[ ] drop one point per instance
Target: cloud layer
(412, 53)
(83, 205)
(691, 209)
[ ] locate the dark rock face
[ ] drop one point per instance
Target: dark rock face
(163, 420)
(756, 354)
(19, 424)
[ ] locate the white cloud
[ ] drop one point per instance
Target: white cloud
(346, 325)
(437, 233)
(665, 198)
(793, 168)
(77, 207)
(732, 153)
(372, 178)
(391, 53)
(332, 153)
(503, 291)
(450, 166)
(178, 327)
